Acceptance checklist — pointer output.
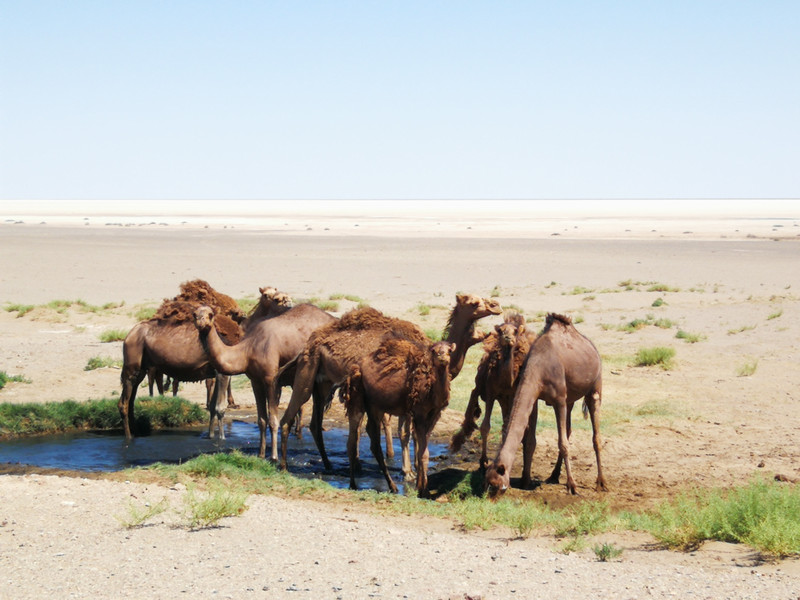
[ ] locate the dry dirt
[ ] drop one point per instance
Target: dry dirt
(711, 427)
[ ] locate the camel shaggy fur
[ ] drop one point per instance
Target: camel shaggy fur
(333, 350)
(504, 351)
(169, 343)
(562, 366)
(402, 378)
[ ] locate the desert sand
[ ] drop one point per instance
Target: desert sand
(733, 283)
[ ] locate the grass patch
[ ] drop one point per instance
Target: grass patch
(423, 309)
(741, 329)
(55, 417)
(638, 324)
(20, 309)
(774, 315)
(145, 313)
(136, 515)
(578, 290)
(689, 338)
(207, 508)
(5, 378)
(100, 362)
(662, 287)
(245, 305)
(747, 369)
(495, 293)
(658, 302)
(349, 297)
(113, 335)
(764, 515)
(606, 552)
(659, 355)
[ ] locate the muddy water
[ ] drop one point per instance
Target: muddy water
(109, 451)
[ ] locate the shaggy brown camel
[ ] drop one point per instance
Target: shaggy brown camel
(265, 348)
(402, 378)
(169, 343)
(496, 379)
(562, 366)
(332, 351)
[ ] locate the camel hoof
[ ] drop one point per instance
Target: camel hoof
(552, 480)
(232, 405)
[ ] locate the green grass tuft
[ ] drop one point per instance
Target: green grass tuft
(659, 355)
(774, 315)
(689, 338)
(20, 309)
(747, 368)
(113, 335)
(5, 378)
(101, 362)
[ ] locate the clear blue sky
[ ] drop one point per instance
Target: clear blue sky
(358, 100)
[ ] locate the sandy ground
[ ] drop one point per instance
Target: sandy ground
(733, 286)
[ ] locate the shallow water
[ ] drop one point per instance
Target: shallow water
(109, 451)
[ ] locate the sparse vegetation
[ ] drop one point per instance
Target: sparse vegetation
(136, 515)
(606, 551)
(661, 287)
(423, 309)
(741, 329)
(101, 362)
(747, 369)
(689, 338)
(349, 297)
(639, 323)
(495, 293)
(5, 378)
(145, 313)
(658, 302)
(763, 514)
(647, 357)
(206, 509)
(774, 315)
(113, 335)
(20, 309)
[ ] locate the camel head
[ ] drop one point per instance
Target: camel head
(497, 480)
(477, 306)
(271, 298)
(507, 334)
(440, 353)
(204, 318)
(282, 300)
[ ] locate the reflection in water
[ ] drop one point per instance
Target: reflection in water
(109, 451)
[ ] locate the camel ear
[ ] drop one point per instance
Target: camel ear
(521, 329)
(452, 347)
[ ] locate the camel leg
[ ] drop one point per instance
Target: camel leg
(421, 457)
(216, 410)
(298, 422)
(260, 395)
(175, 384)
(404, 428)
(355, 418)
(302, 389)
(130, 383)
(486, 426)
(529, 446)
(273, 400)
(386, 422)
(593, 405)
(556, 474)
(561, 411)
(317, 414)
(231, 401)
(471, 414)
(374, 431)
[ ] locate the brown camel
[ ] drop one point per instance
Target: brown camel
(271, 303)
(333, 350)
(504, 352)
(562, 366)
(265, 348)
(169, 343)
(402, 378)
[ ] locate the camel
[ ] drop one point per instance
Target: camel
(332, 351)
(265, 348)
(271, 303)
(402, 378)
(562, 366)
(496, 379)
(169, 343)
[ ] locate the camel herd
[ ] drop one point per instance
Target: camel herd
(379, 366)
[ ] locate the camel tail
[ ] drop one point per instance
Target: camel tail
(585, 407)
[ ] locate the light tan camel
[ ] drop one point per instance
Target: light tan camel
(169, 343)
(267, 345)
(402, 378)
(333, 350)
(562, 366)
(504, 352)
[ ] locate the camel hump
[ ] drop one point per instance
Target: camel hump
(556, 318)
(199, 291)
